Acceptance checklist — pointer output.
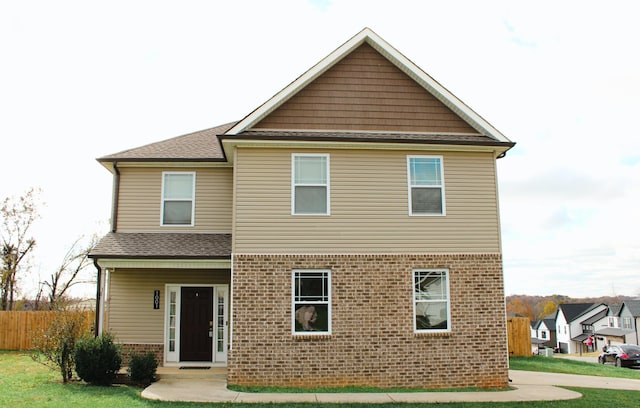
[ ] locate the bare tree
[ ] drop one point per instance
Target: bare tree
(18, 216)
(68, 273)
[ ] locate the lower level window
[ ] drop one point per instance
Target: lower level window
(311, 292)
(431, 300)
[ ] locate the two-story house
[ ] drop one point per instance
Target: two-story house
(630, 321)
(574, 324)
(610, 329)
(344, 232)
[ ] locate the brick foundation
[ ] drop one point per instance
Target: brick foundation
(372, 341)
(128, 349)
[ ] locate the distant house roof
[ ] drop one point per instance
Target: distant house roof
(550, 323)
(595, 318)
(633, 306)
(573, 310)
(613, 331)
(197, 146)
(125, 245)
(614, 310)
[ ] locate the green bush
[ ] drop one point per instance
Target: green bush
(54, 346)
(142, 368)
(97, 359)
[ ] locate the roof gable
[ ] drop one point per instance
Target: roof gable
(403, 64)
(365, 92)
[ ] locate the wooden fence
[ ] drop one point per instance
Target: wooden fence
(18, 328)
(519, 334)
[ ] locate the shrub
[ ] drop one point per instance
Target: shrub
(54, 346)
(142, 368)
(97, 359)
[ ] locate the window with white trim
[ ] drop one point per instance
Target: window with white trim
(178, 198)
(431, 304)
(626, 323)
(426, 185)
(311, 301)
(310, 184)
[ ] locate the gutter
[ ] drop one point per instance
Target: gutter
(98, 284)
(115, 198)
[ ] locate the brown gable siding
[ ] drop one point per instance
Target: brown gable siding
(366, 92)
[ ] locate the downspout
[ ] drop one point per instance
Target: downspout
(98, 285)
(115, 198)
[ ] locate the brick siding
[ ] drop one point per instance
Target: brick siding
(372, 341)
(129, 349)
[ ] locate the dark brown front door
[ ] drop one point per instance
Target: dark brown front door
(196, 324)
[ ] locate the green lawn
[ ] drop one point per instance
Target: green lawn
(566, 366)
(24, 383)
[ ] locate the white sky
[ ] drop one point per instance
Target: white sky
(82, 79)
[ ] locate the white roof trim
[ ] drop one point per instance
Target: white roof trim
(110, 263)
(394, 56)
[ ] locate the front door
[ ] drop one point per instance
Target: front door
(196, 324)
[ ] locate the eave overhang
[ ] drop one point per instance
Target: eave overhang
(229, 143)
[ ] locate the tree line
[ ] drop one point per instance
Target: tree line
(18, 216)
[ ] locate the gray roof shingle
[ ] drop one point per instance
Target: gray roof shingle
(160, 245)
(197, 146)
(373, 137)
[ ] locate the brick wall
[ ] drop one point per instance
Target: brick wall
(372, 340)
(128, 349)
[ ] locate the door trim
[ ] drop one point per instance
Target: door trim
(172, 358)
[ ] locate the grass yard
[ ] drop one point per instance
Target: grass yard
(566, 366)
(25, 383)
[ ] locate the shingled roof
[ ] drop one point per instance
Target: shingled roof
(371, 137)
(573, 310)
(126, 245)
(197, 146)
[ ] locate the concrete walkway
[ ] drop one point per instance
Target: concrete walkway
(527, 386)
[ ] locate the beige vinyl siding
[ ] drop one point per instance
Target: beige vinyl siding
(140, 200)
(369, 205)
(365, 91)
(130, 313)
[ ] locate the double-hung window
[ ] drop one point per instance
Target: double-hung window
(178, 198)
(426, 185)
(431, 300)
(311, 301)
(310, 184)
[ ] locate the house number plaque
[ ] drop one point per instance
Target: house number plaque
(156, 299)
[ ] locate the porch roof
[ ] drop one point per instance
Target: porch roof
(613, 331)
(157, 245)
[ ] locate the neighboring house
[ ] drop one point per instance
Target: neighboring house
(546, 331)
(608, 329)
(344, 232)
(630, 320)
(543, 334)
(570, 330)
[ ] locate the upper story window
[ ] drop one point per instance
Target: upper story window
(543, 334)
(431, 300)
(626, 323)
(426, 185)
(311, 293)
(310, 184)
(178, 198)
(612, 322)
